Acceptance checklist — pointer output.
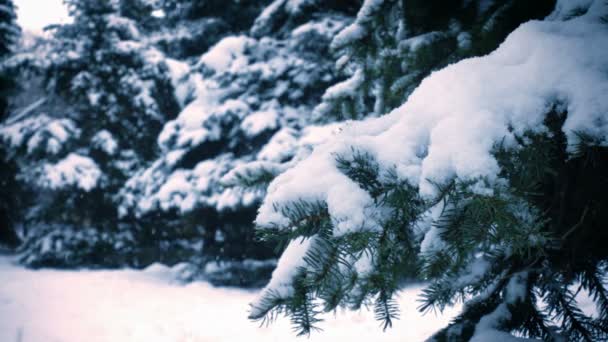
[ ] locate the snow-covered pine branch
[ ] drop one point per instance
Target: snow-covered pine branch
(485, 178)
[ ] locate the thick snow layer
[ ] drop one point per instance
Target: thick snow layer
(227, 53)
(148, 306)
(450, 124)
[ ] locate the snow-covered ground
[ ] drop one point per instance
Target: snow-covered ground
(130, 305)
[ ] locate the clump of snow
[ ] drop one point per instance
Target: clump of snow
(179, 73)
(200, 121)
(464, 40)
(104, 141)
(74, 170)
(259, 122)
(281, 146)
(432, 238)
(226, 54)
(345, 89)
(296, 6)
(451, 122)
(262, 21)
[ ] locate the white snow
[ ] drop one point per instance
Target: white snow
(451, 122)
(281, 283)
(39, 133)
(123, 25)
(185, 189)
(487, 327)
(104, 141)
(296, 6)
(226, 54)
(566, 8)
(281, 146)
(223, 106)
(262, 21)
(25, 111)
(199, 122)
(259, 122)
(73, 170)
(346, 88)
(179, 72)
(148, 306)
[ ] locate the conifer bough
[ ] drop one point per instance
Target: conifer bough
(489, 183)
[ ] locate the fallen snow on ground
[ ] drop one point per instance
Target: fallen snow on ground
(130, 305)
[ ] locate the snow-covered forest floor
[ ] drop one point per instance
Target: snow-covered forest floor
(130, 305)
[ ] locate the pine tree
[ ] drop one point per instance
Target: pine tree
(504, 214)
(9, 34)
(108, 94)
(247, 101)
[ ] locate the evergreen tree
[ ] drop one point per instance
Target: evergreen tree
(9, 34)
(9, 31)
(108, 94)
(248, 101)
(484, 183)
(389, 48)
(190, 28)
(259, 121)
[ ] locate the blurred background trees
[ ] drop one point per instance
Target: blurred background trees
(147, 131)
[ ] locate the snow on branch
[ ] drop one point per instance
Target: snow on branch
(452, 122)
